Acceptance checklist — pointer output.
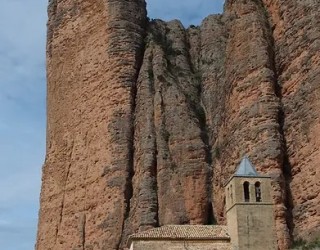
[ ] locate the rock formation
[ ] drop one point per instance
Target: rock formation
(147, 119)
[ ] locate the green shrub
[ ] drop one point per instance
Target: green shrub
(301, 244)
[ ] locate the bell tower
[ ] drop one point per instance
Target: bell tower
(249, 209)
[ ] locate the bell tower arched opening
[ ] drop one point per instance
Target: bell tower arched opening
(246, 191)
(257, 187)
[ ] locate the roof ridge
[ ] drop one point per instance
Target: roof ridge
(185, 231)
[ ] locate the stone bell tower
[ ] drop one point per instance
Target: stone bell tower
(249, 209)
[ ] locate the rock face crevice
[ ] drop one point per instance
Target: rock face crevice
(296, 34)
(175, 98)
(148, 119)
(286, 165)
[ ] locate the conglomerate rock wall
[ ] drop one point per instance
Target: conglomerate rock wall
(147, 119)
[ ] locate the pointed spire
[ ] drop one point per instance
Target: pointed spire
(246, 168)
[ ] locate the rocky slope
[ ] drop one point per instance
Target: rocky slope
(147, 119)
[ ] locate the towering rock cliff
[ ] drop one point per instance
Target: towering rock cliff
(94, 54)
(147, 120)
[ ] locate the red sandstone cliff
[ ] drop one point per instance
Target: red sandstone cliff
(147, 120)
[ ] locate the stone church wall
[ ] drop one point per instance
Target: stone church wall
(180, 245)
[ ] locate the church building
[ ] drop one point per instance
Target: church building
(250, 220)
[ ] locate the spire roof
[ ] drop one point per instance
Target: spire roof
(246, 168)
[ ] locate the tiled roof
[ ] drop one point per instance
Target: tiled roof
(176, 232)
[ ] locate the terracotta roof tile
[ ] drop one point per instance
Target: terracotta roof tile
(177, 232)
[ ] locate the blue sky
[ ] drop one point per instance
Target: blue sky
(22, 106)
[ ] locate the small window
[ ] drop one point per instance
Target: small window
(246, 191)
(231, 194)
(257, 186)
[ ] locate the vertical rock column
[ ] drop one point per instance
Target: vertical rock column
(213, 36)
(171, 174)
(94, 52)
(144, 203)
(296, 30)
(183, 171)
(250, 124)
